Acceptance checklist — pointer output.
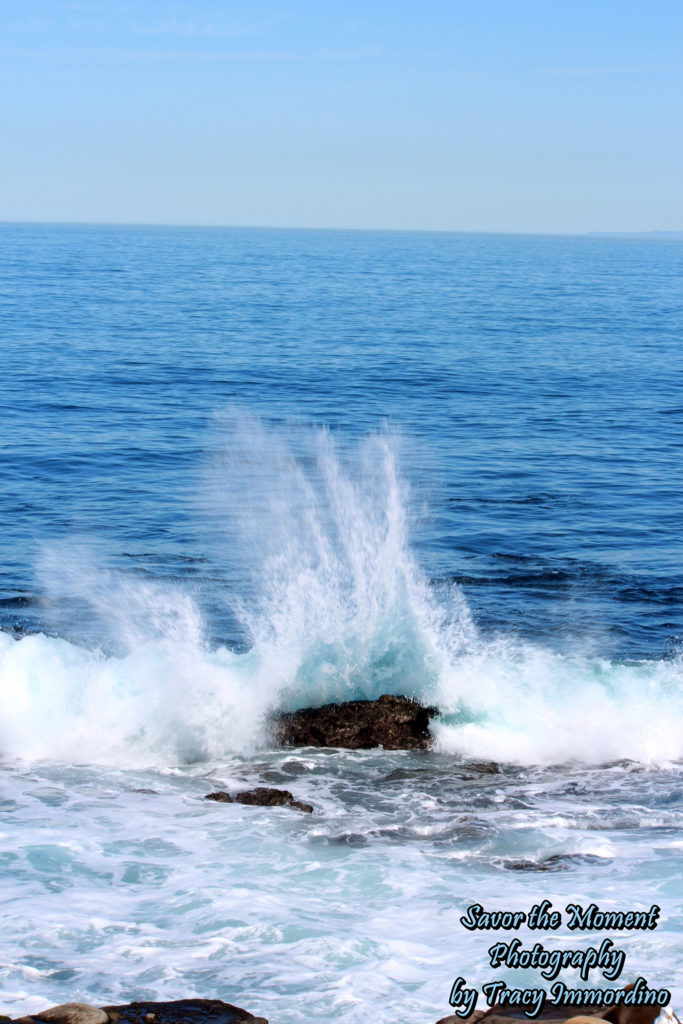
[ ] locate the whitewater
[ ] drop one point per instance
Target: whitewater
(336, 608)
(207, 520)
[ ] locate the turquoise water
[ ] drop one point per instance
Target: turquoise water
(250, 470)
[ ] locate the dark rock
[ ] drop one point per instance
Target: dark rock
(556, 862)
(395, 723)
(262, 796)
(273, 776)
(182, 1011)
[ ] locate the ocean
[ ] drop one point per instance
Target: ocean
(243, 471)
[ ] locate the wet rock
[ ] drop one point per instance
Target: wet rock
(182, 1011)
(395, 723)
(485, 767)
(273, 776)
(262, 796)
(556, 862)
(220, 796)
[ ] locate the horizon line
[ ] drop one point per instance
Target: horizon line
(628, 232)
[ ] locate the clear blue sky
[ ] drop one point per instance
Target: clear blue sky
(474, 115)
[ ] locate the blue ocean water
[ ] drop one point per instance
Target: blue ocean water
(250, 469)
(537, 379)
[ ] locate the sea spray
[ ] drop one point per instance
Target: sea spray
(319, 530)
(311, 534)
(334, 606)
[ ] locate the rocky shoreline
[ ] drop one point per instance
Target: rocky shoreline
(214, 1011)
(181, 1011)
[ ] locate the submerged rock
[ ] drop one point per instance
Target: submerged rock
(395, 723)
(262, 796)
(555, 862)
(182, 1011)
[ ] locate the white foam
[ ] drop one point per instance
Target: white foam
(521, 703)
(337, 608)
